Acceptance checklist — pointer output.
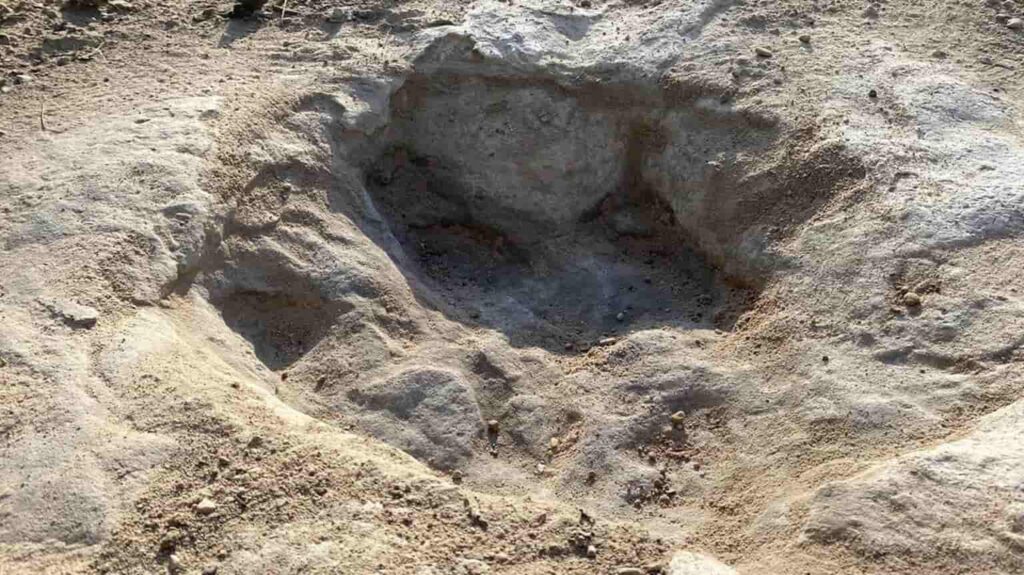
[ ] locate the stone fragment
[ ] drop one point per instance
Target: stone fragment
(763, 52)
(73, 314)
(911, 299)
(174, 564)
(678, 418)
(206, 506)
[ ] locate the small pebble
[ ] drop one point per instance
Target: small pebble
(493, 425)
(763, 52)
(805, 38)
(206, 507)
(939, 54)
(872, 93)
(621, 316)
(173, 563)
(591, 551)
(678, 418)
(630, 571)
(1015, 24)
(911, 299)
(553, 444)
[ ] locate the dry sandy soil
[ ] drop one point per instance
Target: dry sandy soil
(693, 287)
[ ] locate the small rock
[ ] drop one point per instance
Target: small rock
(872, 93)
(553, 444)
(591, 551)
(541, 468)
(805, 38)
(211, 570)
(1002, 18)
(493, 425)
(911, 299)
(939, 54)
(1015, 24)
(456, 476)
(120, 5)
(206, 507)
(22, 79)
(173, 564)
(678, 418)
(630, 571)
(73, 314)
(620, 316)
(871, 12)
(763, 52)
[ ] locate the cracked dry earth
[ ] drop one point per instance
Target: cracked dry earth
(692, 287)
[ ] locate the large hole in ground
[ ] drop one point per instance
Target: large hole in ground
(550, 213)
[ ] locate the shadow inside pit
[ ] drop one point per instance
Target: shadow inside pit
(282, 327)
(624, 267)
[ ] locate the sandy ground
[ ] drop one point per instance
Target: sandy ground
(531, 287)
